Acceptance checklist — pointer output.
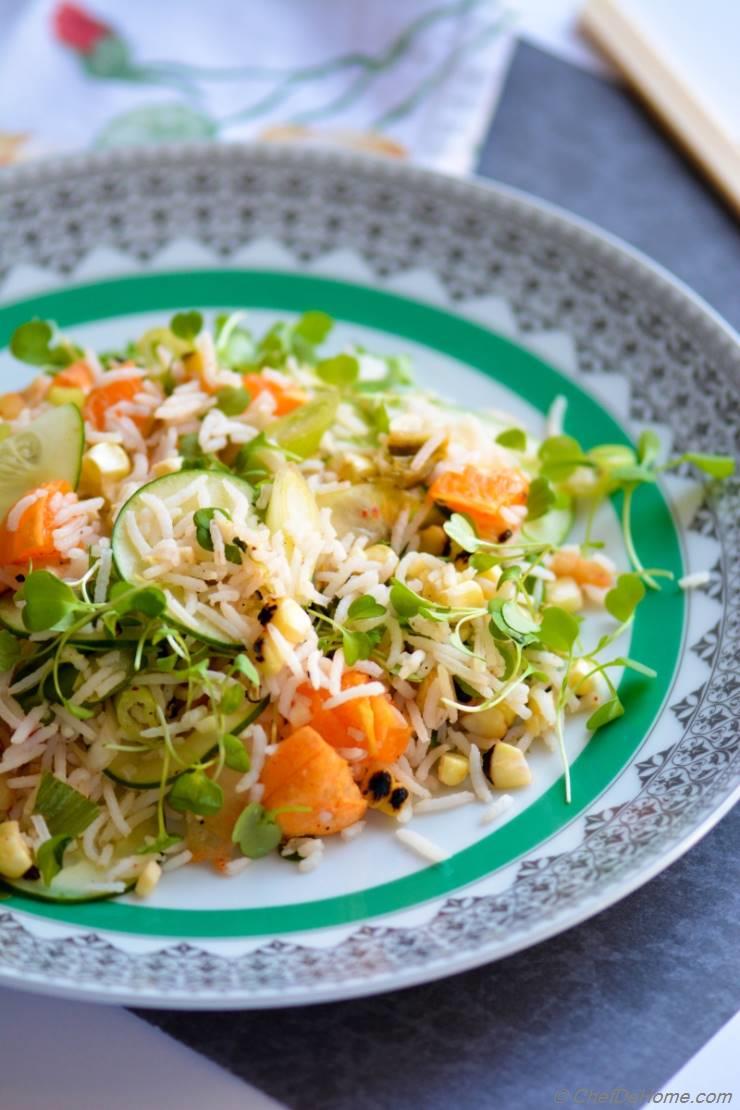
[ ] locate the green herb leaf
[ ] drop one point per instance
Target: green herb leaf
(633, 665)
(717, 466)
(244, 665)
(233, 400)
(541, 499)
(605, 714)
(365, 608)
(632, 475)
(482, 561)
(256, 831)
(314, 327)
(342, 370)
(236, 756)
(150, 601)
(49, 601)
(50, 857)
(194, 792)
(356, 645)
(202, 519)
(31, 343)
(510, 621)
(159, 845)
(232, 698)
(409, 604)
(65, 810)
(559, 630)
(514, 438)
(186, 325)
(560, 456)
(10, 650)
(622, 600)
(648, 447)
(461, 531)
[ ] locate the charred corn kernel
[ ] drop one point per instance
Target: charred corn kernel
(15, 855)
(463, 595)
(452, 769)
(65, 395)
(194, 364)
(491, 724)
(433, 539)
(148, 879)
(292, 621)
(6, 796)
(102, 463)
(11, 405)
(381, 553)
(384, 792)
(509, 767)
(267, 657)
(166, 466)
(566, 593)
(355, 468)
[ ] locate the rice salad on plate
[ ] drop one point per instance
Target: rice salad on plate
(255, 595)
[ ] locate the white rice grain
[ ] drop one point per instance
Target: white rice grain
(423, 847)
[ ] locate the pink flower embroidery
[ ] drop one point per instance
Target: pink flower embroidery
(78, 30)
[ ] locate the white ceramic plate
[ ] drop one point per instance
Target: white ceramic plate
(501, 301)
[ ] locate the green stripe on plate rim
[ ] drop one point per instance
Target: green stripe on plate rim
(657, 634)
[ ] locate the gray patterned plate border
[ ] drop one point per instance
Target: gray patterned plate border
(555, 272)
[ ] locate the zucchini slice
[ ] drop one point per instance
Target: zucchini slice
(144, 771)
(223, 491)
(78, 882)
(48, 449)
(553, 527)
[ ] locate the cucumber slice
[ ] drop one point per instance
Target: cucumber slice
(144, 772)
(49, 449)
(224, 491)
(79, 882)
(11, 617)
(552, 528)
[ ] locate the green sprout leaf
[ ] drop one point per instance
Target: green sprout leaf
(31, 343)
(622, 600)
(159, 844)
(242, 664)
(10, 650)
(461, 531)
(202, 520)
(150, 601)
(236, 756)
(194, 792)
(558, 630)
(365, 608)
(513, 438)
(342, 370)
(50, 857)
(541, 499)
(186, 325)
(356, 645)
(256, 831)
(314, 327)
(605, 714)
(560, 456)
(233, 400)
(235, 345)
(648, 447)
(716, 466)
(50, 602)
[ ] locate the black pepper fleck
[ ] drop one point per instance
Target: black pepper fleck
(32, 873)
(259, 649)
(379, 785)
(399, 796)
(506, 535)
(266, 613)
